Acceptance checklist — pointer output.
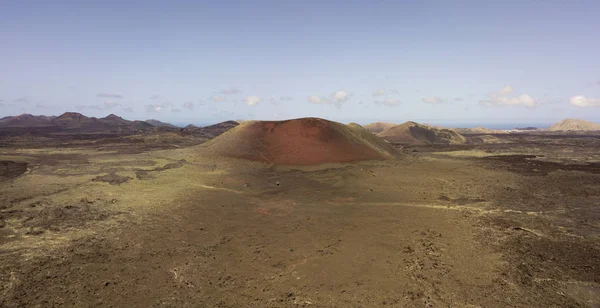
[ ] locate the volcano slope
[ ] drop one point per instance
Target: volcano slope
(415, 133)
(306, 141)
(378, 127)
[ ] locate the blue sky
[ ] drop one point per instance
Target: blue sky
(439, 62)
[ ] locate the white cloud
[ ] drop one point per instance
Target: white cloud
(218, 98)
(501, 98)
(340, 96)
(154, 97)
(252, 100)
(379, 92)
(385, 92)
(128, 109)
(154, 108)
(316, 100)
(336, 98)
(521, 100)
(188, 105)
(432, 100)
(506, 90)
(582, 101)
(157, 107)
(286, 98)
(106, 105)
(175, 110)
(110, 104)
(388, 102)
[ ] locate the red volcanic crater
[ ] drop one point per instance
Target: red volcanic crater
(306, 141)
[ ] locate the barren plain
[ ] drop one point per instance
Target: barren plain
(99, 220)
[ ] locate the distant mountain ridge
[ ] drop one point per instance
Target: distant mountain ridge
(74, 122)
(154, 122)
(26, 120)
(211, 131)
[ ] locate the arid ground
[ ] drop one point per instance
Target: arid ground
(104, 221)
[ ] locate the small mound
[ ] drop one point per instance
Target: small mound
(415, 133)
(478, 130)
(575, 125)
(485, 139)
(378, 127)
(306, 141)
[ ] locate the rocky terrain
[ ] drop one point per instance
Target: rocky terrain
(159, 218)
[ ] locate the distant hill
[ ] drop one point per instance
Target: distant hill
(26, 120)
(74, 122)
(154, 122)
(478, 130)
(219, 128)
(222, 125)
(415, 133)
(575, 125)
(210, 131)
(305, 141)
(528, 128)
(378, 127)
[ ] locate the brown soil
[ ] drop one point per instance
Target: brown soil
(112, 179)
(149, 174)
(305, 141)
(510, 224)
(11, 169)
(529, 165)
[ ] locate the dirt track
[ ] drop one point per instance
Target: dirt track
(454, 228)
